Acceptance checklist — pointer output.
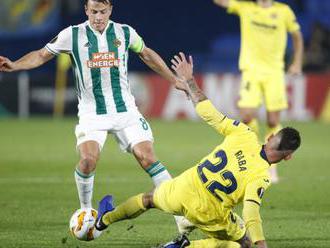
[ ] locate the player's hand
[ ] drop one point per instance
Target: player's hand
(295, 69)
(181, 85)
(183, 68)
(6, 65)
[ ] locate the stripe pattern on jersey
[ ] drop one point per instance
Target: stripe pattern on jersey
(76, 62)
(114, 71)
(96, 74)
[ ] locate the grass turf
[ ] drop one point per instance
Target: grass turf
(38, 192)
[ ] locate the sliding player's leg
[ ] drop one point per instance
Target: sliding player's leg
(138, 204)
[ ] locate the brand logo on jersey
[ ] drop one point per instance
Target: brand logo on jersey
(117, 43)
(103, 60)
(261, 192)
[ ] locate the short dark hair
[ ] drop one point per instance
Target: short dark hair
(100, 1)
(290, 139)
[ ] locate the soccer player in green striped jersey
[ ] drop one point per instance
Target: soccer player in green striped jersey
(99, 51)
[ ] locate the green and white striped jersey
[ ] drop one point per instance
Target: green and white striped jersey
(100, 65)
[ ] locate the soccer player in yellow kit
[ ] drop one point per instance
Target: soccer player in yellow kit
(264, 28)
(235, 171)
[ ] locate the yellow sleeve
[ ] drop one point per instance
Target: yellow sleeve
(218, 121)
(237, 7)
(252, 201)
(234, 7)
(291, 22)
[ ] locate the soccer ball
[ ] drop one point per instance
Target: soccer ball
(82, 224)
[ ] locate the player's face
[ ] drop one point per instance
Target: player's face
(98, 14)
(277, 156)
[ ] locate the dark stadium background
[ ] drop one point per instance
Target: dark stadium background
(196, 27)
(37, 141)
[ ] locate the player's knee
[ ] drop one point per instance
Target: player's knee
(87, 164)
(273, 119)
(247, 115)
(148, 200)
(272, 122)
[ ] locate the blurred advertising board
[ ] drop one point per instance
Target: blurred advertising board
(309, 95)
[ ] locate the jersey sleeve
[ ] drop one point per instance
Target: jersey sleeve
(235, 7)
(136, 43)
(252, 201)
(62, 43)
(291, 22)
(218, 121)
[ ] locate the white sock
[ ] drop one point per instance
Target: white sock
(85, 185)
(159, 174)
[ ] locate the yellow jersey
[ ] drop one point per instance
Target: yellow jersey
(235, 171)
(263, 34)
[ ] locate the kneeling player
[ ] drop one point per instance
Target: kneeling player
(235, 171)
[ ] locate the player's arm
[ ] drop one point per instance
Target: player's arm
(152, 59)
(29, 61)
(203, 106)
(232, 6)
(251, 207)
(298, 50)
(222, 3)
(293, 28)
(157, 64)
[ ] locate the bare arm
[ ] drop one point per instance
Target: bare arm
(184, 71)
(157, 64)
(222, 3)
(29, 61)
(298, 50)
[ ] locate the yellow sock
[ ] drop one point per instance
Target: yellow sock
(254, 125)
(129, 209)
(213, 243)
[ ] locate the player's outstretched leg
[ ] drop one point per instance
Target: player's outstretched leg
(131, 208)
(144, 153)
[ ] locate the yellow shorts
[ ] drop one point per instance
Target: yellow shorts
(270, 87)
(183, 196)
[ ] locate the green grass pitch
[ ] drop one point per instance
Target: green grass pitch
(38, 192)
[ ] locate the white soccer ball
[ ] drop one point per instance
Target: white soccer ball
(82, 224)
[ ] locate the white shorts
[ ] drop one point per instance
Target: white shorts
(129, 129)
